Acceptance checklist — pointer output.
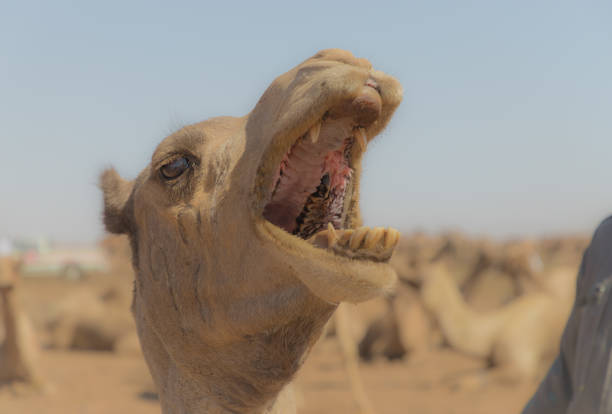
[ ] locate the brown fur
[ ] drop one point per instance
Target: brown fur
(228, 305)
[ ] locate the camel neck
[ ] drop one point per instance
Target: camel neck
(283, 403)
(203, 374)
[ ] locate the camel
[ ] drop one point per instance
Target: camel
(94, 329)
(19, 352)
(100, 328)
(246, 235)
(405, 327)
(520, 339)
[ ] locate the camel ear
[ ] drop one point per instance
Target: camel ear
(117, 192)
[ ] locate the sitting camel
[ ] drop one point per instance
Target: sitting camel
(20, 350)
(246, 235)
(489, 275)
(520, 339)
(92, 319)
(486, 273)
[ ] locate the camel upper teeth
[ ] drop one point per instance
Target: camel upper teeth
(313, 132)
(331, 234)
(357, 237)
(363, 139)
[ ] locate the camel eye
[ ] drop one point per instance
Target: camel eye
(175, 168)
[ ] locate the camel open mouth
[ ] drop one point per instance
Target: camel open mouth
(313, 184)
(313, 192)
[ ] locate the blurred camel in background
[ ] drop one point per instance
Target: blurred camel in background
(520, 339)
(19, 351)
(481, 286)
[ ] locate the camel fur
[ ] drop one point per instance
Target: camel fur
(228, 304)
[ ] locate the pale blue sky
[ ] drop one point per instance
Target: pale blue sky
(505, 128)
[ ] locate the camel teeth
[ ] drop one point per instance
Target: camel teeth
(332, 236)
(358, 237)
(314, 132)
(362, 139)
(373, 237)
(392, 238)
(344, 238)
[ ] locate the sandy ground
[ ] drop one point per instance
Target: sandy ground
(421, 385)
(103, 382)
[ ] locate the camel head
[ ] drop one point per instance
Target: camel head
(246, 234)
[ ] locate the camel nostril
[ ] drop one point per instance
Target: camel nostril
(373, 84)
(367, 106)
(364, 109)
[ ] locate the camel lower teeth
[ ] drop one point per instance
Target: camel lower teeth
(313, 132)
(363, 243)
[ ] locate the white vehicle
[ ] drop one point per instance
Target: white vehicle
(38, 258)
